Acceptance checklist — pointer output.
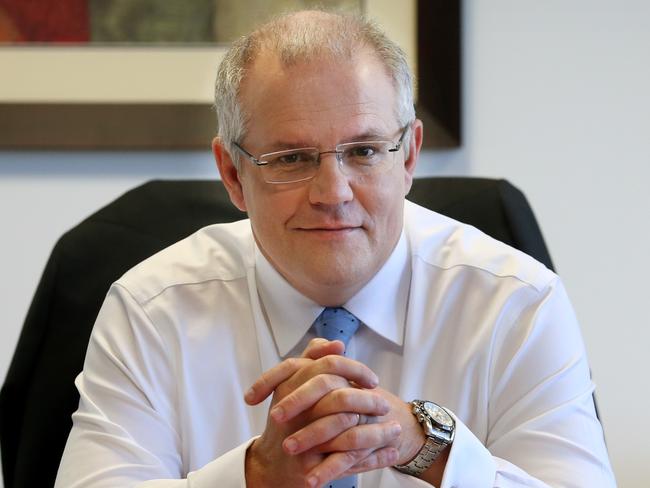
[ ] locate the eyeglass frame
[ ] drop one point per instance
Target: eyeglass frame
(260, 162)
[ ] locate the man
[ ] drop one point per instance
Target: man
(318, 142)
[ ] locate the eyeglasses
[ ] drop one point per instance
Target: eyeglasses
(354, 158)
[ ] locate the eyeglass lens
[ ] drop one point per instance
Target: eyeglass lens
(357, 158)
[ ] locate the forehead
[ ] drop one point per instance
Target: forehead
(321, 100)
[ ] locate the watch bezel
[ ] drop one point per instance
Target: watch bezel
(441, 433)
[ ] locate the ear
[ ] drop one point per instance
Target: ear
(415, 144)
(229, 174)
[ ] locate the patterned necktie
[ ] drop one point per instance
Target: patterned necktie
(333, 324)
(336, 323)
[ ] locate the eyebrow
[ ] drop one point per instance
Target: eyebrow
(370, 135)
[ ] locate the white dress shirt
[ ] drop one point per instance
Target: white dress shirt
(453, 316)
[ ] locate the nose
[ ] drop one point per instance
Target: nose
(330, 186)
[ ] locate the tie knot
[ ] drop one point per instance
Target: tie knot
(336, 323)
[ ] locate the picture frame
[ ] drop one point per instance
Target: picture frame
(184, 123)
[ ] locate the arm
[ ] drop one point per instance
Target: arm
(541, 425)
(542, 430)
(126, 430)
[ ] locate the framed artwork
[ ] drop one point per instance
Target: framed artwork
(126, 41)
(439, 72)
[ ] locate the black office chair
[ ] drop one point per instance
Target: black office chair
(38, 396)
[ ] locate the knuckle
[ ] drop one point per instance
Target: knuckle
(352, 457)
(354, 437)
(315, 342)
(387, 434)
(329, 362)
(291, 364)
(326, 382)
(371, 462)
(343, 399)
(290, 400)
(365, 465)
(309, 436)
(264, 378)
(347, 420)
(385, 457)
(380, 458)
(379, 403)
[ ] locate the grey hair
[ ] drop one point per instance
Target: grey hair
(299, 37)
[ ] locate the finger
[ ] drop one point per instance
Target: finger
(319, 347)
(367, 402)
(335, 466)
(306, 395)
(319, 432)
(339, 365)
(318, 378)
(381, 458)
(269, 381)
(370, 436)
(333, 363)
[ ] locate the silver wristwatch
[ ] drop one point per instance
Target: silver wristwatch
(438, 427)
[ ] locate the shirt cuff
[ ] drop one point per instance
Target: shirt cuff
(227, 471)
(468, 452)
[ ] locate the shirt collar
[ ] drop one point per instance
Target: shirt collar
(380, 304)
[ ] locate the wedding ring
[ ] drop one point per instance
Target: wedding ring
(365, 419)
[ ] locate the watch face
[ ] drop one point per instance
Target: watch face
(439, 415)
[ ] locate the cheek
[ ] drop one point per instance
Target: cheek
(270, 208)
(384, 201)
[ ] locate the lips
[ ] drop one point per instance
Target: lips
(347, 227)
(332, 228)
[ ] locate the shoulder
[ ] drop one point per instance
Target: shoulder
(219, 252)
(439, 241)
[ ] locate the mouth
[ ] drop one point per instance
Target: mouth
(330, 231)
(330, 227)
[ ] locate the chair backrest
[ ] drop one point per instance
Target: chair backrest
(39, 396)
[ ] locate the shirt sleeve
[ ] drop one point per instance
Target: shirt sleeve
(125, 431)
(542, 426)
(542, 429)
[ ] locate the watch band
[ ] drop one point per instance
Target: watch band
(425, 458)
(438, 426)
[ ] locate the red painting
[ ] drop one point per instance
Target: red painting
(44, 21)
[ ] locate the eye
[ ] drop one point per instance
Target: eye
(365, 151)
(292, 158)
(288, 158)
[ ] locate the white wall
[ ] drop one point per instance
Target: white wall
(556, 99)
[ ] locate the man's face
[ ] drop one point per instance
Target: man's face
(327, 236)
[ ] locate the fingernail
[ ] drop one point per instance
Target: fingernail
(312, 481)
(291, 445)
(396, 429)
(249, 394)
(277, 413)
(374, 381)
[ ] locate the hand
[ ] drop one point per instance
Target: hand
(408, 443)
(332, 394)
(407, 439)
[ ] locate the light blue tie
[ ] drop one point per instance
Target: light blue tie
(333, 324)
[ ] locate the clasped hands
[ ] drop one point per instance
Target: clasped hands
(328, 419)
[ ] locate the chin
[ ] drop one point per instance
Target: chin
(343, 274)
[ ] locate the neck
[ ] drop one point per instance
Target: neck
(329, 296)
